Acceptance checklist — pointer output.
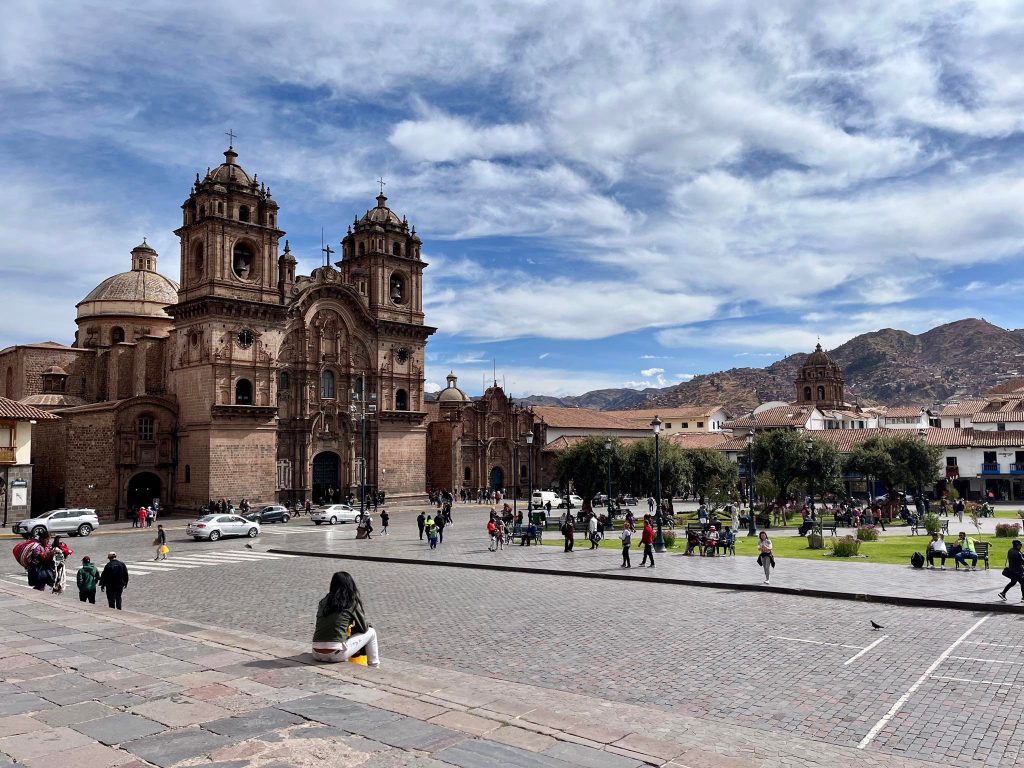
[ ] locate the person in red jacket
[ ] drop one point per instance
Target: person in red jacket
(647, 539)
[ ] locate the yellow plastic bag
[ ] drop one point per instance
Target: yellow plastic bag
(360, 659)
(163, 549)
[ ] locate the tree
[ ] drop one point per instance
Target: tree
(584, 466)
(823, 467)
(782, 455)
(710, 472)
(906, 463)
(675, 469)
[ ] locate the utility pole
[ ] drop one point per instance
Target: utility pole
(363, 407)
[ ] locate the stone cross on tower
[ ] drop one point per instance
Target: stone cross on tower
(381, 182)
(231, 137)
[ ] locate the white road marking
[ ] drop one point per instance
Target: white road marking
(920, 681)
(995, 645)
(861, 653)
(987, 661)
(975, 682)
(814, 642)
(163, 565)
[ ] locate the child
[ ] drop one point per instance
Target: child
(88, 577)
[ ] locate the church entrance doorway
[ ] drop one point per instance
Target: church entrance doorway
(497, 479)
(326, 478)
(143, 490)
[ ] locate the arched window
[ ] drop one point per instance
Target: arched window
(144, 428)
(401, 400)
(188, 473)
(243, 260)
(243, 213)
(327, 384)
(284, 382)
(396, 249)
(807, 393)
(220, 207)
(202, 211)
(243, 392)
(397, 289)
(467, 474)
(821, 393)
(362, 249)
(198, 260)
(116, 335)
(522, 470)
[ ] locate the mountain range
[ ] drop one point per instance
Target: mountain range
(887, 367)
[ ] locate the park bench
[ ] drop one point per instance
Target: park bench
(981, 549)
(518, 531)
(944, 526)
(825, 523)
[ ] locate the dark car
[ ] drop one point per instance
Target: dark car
(271, 514)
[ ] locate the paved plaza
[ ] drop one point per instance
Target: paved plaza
(711, 676)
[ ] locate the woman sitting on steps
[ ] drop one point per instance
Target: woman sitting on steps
(341, 628)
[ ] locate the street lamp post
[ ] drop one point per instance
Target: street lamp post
(363, 408)
(608, 456)
(529, 459)
(659, 539)
(810, 445)
(515, 470)
(751, 527)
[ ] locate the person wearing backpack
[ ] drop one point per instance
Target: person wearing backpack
(87, 579)
(626, 537)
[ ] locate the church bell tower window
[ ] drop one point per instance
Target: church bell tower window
(243, 392)
(243, 213)
(242, 260)
(397, 289)
(116, 335)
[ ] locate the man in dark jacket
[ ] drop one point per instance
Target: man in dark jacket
(440, 522)
(87, 578)
(421, 520)
(113, 580)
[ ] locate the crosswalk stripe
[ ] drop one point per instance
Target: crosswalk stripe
(164, 566)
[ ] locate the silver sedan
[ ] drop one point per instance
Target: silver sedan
(213, 527)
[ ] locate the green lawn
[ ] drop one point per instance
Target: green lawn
(895, 550)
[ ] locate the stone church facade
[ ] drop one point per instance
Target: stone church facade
(244, 380)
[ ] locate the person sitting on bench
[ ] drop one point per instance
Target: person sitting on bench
(967, 549)
(936, 548)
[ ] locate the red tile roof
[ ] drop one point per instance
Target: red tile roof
(994, 417)
(561, 443)
(580, 418)
(903, 413)
(780, 416)
(1012, 438)
(964, 408)
(12, 409)
(699, 439)
(678, 412)
(953, 437)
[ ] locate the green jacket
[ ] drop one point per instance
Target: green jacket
(336, 627)
(88, 576)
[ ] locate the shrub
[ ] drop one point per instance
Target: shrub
(1007, 530)
(669, 537)
(845, 546)
(867, 533)
(931, 523)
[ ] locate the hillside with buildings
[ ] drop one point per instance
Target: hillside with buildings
(887, 367)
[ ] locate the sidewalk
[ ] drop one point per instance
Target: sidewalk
(92, 688)
(465, 546)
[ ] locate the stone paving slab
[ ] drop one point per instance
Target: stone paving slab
(332, 702)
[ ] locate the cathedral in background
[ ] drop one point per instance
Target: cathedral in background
(244, 380)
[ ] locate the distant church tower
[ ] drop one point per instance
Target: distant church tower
(227, 327)
(820, 381)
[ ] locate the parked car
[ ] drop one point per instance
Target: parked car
(540, 498)
(213, 527)
(275, 513)
(908, 499)
(74, 522)
(335, 513)
(574, 502)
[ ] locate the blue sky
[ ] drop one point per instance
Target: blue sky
(610, 194)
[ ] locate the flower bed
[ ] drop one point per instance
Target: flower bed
(1007, 530)
(867, 533)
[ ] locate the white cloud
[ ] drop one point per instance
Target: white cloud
(648, 372)
(441, 138)
(685, 376)
(543, 355)
(432, 386)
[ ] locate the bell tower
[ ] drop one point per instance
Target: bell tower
(228, 325)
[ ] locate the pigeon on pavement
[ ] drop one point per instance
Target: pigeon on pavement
(876, 626)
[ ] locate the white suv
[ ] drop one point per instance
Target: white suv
(75, 522)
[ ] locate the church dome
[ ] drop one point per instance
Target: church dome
(820, 357)
(229, 171)
(451, 393)
(136, 286)
(381, 214)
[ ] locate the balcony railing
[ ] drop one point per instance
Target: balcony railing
(952, 473)
(1017, 468)
(990, 468)
(8, 455)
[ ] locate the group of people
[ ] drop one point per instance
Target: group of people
(43, 559)
(144, 517)
(432, 526)
(962, 550)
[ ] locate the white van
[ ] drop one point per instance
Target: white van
(540, 498)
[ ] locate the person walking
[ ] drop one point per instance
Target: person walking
(592, 531)
(114, 580)
(141, 514)
(765, 558)
(569, 532)
(384, 518)
(492, 533)
(1014, 570)
(87, 578)
(161, 543)
(647, 540)
(421, 521)
(431, 528)
(626, 537)
(342, 630)
(439, 523)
